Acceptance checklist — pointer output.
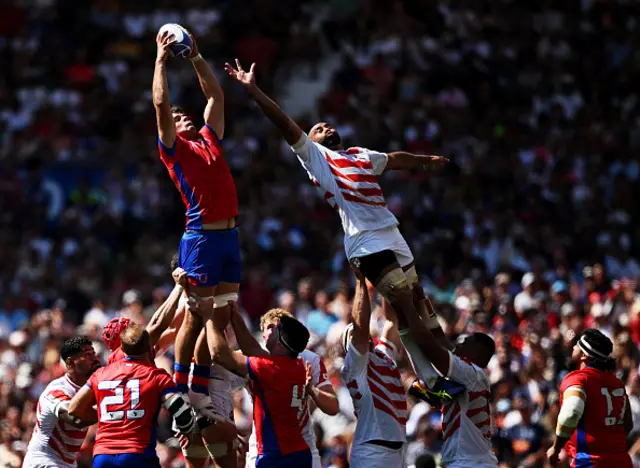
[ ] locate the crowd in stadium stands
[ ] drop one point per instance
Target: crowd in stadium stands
(536, 101)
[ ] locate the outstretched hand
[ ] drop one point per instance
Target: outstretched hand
(246, 79)
(435, 163)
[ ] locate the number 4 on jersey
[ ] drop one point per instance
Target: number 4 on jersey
(615, 402)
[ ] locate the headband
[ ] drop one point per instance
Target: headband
(589, 350)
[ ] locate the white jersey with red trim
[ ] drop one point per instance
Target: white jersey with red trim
(54, 443)
(320, 380)
(379, 398)
(350, 184)
(466, 422)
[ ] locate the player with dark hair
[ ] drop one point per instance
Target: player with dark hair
(595, 418)
(58, 436)
(466, 421)
(128, 395)
(209, 249)
(349, 179)
(162, 328)
(278, 383)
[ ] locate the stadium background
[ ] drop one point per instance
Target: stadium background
(535, 100)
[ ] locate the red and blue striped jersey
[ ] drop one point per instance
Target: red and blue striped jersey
(201, 175)
(279, 403)
(600, 438)
(129, 395)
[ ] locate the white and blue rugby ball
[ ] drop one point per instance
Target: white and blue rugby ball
(183, 45)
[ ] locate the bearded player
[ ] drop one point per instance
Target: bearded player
(349, 178)
(595, 418)
(209, 249)
(58, 436)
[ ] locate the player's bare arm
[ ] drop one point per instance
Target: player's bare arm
(573, 405)
(91, 417)
(81, 406)
(214, 112)
(325, 397)
(404, 160)
(247, 342)
(163, 317)
(233, 362)
(289, 129)
(164, 118)
(361, 314)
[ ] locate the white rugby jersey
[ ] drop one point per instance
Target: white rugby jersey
(222, 384)
(350, 184)
(379, 398)
(320, 380)
(54, 442)
(466, 422)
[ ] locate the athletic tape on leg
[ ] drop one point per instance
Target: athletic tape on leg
(390, 282)
(421, 365)
(223, 300)
(428, 318)
(217, 450)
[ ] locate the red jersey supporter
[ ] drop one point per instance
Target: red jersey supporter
(278, 385)
(595, 417)
(128, 395)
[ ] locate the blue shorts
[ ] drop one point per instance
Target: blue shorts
(211, 257)
(126, 460)
(301, 459)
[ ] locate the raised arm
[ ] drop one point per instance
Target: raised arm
(163, 317)
(404, 160)
(164, 119)
(247, 342)
(289, 129)
(361, 314)
(214, 112)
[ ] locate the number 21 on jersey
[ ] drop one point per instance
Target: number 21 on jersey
(133, 387)
(616, 406)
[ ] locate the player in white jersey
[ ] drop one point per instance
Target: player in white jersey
(350, 183)
(375, 385)
(58, 437)
(466, 422)
(320, 388)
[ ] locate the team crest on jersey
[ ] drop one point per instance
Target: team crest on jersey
(198, 278)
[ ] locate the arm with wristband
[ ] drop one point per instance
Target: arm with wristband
(214, 112)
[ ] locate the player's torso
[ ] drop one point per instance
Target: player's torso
(280, 408)
(379, 399)
(53, 439)
(600, 431)
(351, 187)
(204, 180)
(467, 430)
(128, 401)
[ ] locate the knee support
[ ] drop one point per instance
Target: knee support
(220, 450)
(425, 309)
(180, 409)
(222, 300)
(196, 451)
(392, 283)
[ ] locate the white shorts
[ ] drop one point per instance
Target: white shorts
(369, 242)
(44, 460)
(375, 456)
(250, 460)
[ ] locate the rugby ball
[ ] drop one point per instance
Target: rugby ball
(183, 45)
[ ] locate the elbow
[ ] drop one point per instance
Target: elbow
(332, 408)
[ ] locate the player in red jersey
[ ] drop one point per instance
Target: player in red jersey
(162, 327)
(128, 395)
(277, 382)
(595, 418)
(209, 249)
